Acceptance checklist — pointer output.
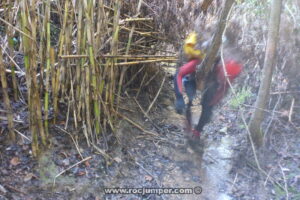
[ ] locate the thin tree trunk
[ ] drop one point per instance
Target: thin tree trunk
(209, 60)
(205, 5)
(269, 64)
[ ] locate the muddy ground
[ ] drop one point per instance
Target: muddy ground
(221, 163)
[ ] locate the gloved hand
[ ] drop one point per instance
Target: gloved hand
(188, 82)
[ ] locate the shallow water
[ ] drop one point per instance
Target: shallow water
(215, 173)
(208, 168)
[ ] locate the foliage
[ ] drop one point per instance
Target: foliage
(241, 97)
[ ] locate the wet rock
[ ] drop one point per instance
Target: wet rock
(4, 172)
(3, 190)
(66, 162)
(75, 170)
(15, 197)
(3, 197)
(170, 108)
(12, 147)
(28, 177)
(196, 179)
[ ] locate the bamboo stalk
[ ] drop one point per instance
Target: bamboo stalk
(42, 26)
(10, 33)
(89, 28)
(32, 18)
(48, 46)
(79, 64)
(86, 92)
(60, 71)
(84, 84)
(114, 50)
(55, 86)
(102, 26)
(29, 22)
(145, 34)
(15, 28)
(93, 88)
(157, 94)
(134, 76)
(69, 82)
(65, 43)
(112, 10)
(26, 48)
(137, 19)
(126, 52)
(144, 61)
(6, 100)
(119, 56)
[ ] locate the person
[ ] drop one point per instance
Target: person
(186, 74)
(216, 84)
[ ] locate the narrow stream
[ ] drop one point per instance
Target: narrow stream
(210, 171)
(215, 169)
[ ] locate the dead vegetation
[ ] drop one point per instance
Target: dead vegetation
(78, 58)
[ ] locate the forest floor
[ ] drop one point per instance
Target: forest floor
(220, 166)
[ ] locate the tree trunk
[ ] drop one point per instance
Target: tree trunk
(209, 60)
(269, 64)
(205, 5)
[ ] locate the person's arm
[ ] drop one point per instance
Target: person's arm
(188, 68)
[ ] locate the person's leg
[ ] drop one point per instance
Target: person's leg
(179, 101)
(190, 86)
(190, 89)
(207, 108)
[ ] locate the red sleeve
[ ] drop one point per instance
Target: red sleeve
(233, 70)
(188, 68)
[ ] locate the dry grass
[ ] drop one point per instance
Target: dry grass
(84, 54)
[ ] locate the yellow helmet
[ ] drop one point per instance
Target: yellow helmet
(191, 39)
(189, 47)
